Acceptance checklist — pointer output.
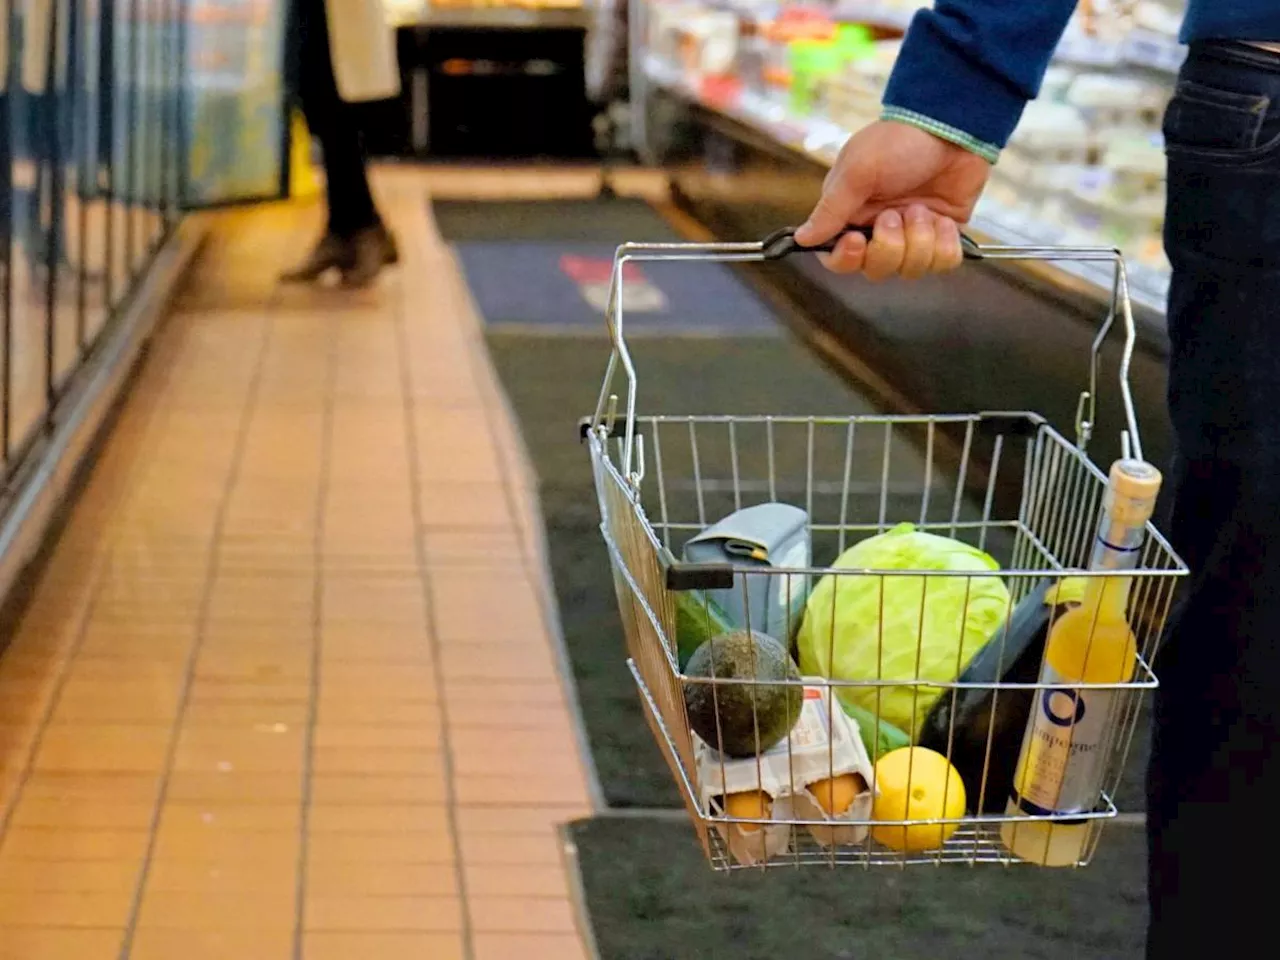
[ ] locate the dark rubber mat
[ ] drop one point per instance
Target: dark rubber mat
(553, 381)
(564, 287)
(593, 221)
(651, 896)
(546, 264)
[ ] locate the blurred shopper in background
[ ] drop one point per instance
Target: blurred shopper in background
(341, 53)
(966, 70)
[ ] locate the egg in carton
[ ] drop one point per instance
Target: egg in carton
(819, 775)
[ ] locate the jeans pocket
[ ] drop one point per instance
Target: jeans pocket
(1214, 123)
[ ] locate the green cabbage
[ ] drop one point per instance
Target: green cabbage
(959, 615)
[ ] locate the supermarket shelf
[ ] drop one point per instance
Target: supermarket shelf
(883, 15)
(819, 141)
(1139, 48)
(488, 18)
(872, 14)
(816, 139)
(993, 223)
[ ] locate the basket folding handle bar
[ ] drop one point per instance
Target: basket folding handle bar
(782, 243)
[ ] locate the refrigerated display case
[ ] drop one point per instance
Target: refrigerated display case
(1085, 165)
(746, 103)
(235, 120)
(115, 117)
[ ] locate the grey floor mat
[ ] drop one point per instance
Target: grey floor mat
(651, 896)
(606, 220)
(551, 382)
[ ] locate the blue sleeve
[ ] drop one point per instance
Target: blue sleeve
(970, 66)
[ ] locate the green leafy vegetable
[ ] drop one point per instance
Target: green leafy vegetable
(863, 626)
(698, 619)
(878, 735)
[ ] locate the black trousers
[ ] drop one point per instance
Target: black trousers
(333, 121)
(1214, 777)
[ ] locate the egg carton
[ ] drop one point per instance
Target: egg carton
(824, 744)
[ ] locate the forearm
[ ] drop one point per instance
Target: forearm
(968, 68)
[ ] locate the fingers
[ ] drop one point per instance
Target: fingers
(921, 242)
(948, 253)
(848, 255)
(844, 192)
(911, 243)
(888, 247)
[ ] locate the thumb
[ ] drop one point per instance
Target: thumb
(843, 195)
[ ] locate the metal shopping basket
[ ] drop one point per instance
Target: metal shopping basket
(1005, 484)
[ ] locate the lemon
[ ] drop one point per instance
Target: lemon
(915, 783)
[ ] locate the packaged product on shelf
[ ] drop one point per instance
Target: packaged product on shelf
(1161, 17)
(853, 94)
(1053, 146)
(1057, 78)
(1112, 100)
(893, 14)
(665, 20)
(1131, 196)
(709, 42)
(1137, 167)
(812, 61)
(1003, 199)
(1053, 133)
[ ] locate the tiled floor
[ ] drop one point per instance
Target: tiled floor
(287, 687)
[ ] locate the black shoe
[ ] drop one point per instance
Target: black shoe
(373, 249)
(331, 252)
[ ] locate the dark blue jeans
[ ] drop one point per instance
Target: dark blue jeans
(1214, 780)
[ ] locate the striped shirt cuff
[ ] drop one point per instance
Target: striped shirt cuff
(987, 151)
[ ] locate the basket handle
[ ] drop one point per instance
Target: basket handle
(781, 244)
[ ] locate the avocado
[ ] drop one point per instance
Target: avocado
(752, 717)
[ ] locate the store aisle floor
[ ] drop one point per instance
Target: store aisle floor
(287, 687)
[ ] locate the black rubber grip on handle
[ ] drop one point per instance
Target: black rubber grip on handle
(782, 243)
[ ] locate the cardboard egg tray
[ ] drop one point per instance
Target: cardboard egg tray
(823, 744)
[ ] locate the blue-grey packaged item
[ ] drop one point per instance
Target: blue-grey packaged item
(774, 535)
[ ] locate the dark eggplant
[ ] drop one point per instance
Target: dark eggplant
(1012, 655)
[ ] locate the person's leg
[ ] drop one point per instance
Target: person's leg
(355, 240)
(1214, 777)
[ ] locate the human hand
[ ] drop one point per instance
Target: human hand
(913, 187)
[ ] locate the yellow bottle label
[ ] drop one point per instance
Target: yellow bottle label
(1060, 768)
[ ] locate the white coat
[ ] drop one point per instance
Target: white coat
(363, 47)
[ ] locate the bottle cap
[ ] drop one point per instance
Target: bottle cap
(1134, 486)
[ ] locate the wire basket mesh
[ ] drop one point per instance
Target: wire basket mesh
(802, 763)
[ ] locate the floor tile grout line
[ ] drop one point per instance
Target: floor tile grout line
(188, 680)
(102, 565)
(535, 556)
(317, 640)
(433, 642)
